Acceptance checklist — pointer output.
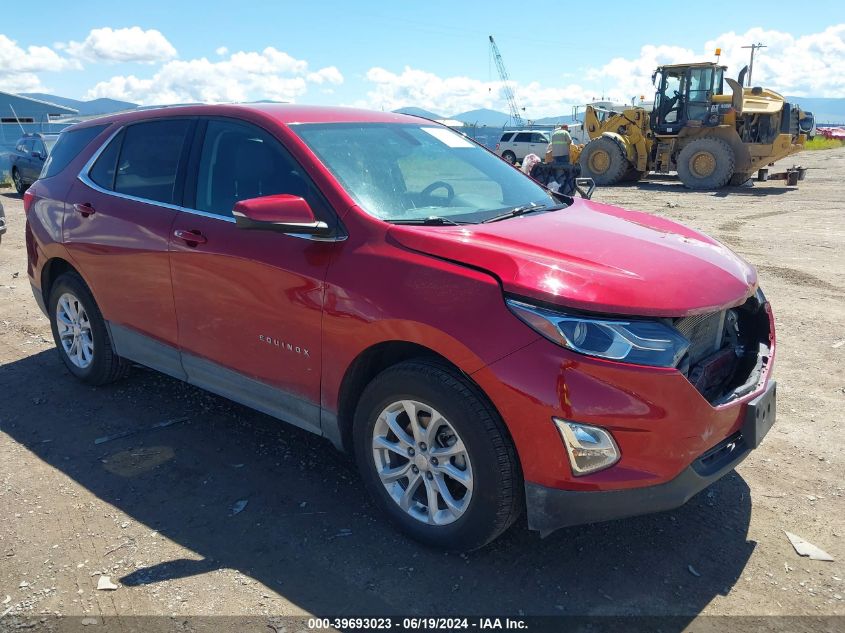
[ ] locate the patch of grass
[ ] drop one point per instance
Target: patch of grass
(821, 142)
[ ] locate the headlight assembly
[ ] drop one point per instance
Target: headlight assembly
(643, 342)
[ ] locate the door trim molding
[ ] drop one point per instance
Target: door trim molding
(213, 377)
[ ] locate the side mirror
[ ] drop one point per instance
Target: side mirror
(283, 213)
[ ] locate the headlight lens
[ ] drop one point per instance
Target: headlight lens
(641, 342)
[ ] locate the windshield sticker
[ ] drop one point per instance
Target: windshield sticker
(447, 137)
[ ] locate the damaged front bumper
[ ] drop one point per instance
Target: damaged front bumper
(550, 509)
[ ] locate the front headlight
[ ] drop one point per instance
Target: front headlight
(642, 342)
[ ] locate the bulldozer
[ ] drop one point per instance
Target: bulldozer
(710, 137)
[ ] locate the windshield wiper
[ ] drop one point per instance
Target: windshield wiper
(432, 220)
(521, 210)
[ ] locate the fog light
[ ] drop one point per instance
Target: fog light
(590, 448)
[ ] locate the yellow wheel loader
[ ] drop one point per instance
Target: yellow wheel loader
(709, 137)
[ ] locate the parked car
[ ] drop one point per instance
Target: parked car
(481, 345)
(28, 158)
(514, 146)
(2, 222)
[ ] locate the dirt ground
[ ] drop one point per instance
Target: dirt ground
(154, 510)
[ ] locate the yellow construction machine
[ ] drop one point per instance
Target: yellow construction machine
(708, 136)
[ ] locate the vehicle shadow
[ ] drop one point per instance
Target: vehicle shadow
(308, 531)
(675, 186)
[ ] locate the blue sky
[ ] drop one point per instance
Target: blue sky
(385, 54)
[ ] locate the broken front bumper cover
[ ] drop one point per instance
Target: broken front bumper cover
(550, 509)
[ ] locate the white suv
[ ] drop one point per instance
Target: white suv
(514, 146)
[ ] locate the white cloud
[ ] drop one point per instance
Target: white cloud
(808, 65)
(269, 74)
(18, 66)
(330, 74)
(132, 44)
(452, 95)
(221, 50)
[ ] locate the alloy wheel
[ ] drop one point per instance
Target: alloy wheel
(422, 462)
(74, 329)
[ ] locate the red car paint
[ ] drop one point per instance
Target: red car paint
(295, 314)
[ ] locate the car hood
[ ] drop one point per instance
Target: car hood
(596, 257)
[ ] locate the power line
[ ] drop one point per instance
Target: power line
(753, 48)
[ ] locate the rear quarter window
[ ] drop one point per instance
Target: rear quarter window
(67, 148)
(506, 137)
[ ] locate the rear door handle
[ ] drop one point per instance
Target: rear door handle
(84, 208)
(192, 238)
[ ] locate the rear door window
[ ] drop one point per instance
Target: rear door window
(149, 161)
(523, 137)
(68, 147)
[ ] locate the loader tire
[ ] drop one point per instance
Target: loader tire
(739, 178)
(603, 161)
(706, 163)
(632, 175)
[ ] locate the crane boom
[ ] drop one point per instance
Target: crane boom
(503, 75)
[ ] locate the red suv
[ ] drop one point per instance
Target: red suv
(483, 346)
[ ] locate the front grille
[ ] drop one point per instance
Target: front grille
(704, 332)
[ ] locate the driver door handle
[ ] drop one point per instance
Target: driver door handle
(192, 238)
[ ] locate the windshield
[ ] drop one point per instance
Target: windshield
(406, 172)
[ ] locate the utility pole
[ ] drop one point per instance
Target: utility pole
(753, 48)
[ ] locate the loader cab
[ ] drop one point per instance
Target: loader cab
(684, 96)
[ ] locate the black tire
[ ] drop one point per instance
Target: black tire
(20, 186)
(706, 163)
(739, 178)
(632, 175)
(497, 494)
(509, 156)
(604, 161)
(105, 366)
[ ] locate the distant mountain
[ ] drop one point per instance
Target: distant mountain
(427, 114)
(85, 108)
(551, 120)
(490, 118)
(824, 110)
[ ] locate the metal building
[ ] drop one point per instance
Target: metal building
(19, 114)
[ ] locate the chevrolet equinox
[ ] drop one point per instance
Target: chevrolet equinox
(482, 346)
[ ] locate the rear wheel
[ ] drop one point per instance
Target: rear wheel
(80, 333)
(739, 178)
(435, 456)
(603, 161)
(706, 163)
(509, 156)
(20, 187)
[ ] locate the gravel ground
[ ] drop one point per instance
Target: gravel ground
(153, 510)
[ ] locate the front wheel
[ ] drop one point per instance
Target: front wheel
(20, 187)
(80, 333)
(435, 456)
(604, 161)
